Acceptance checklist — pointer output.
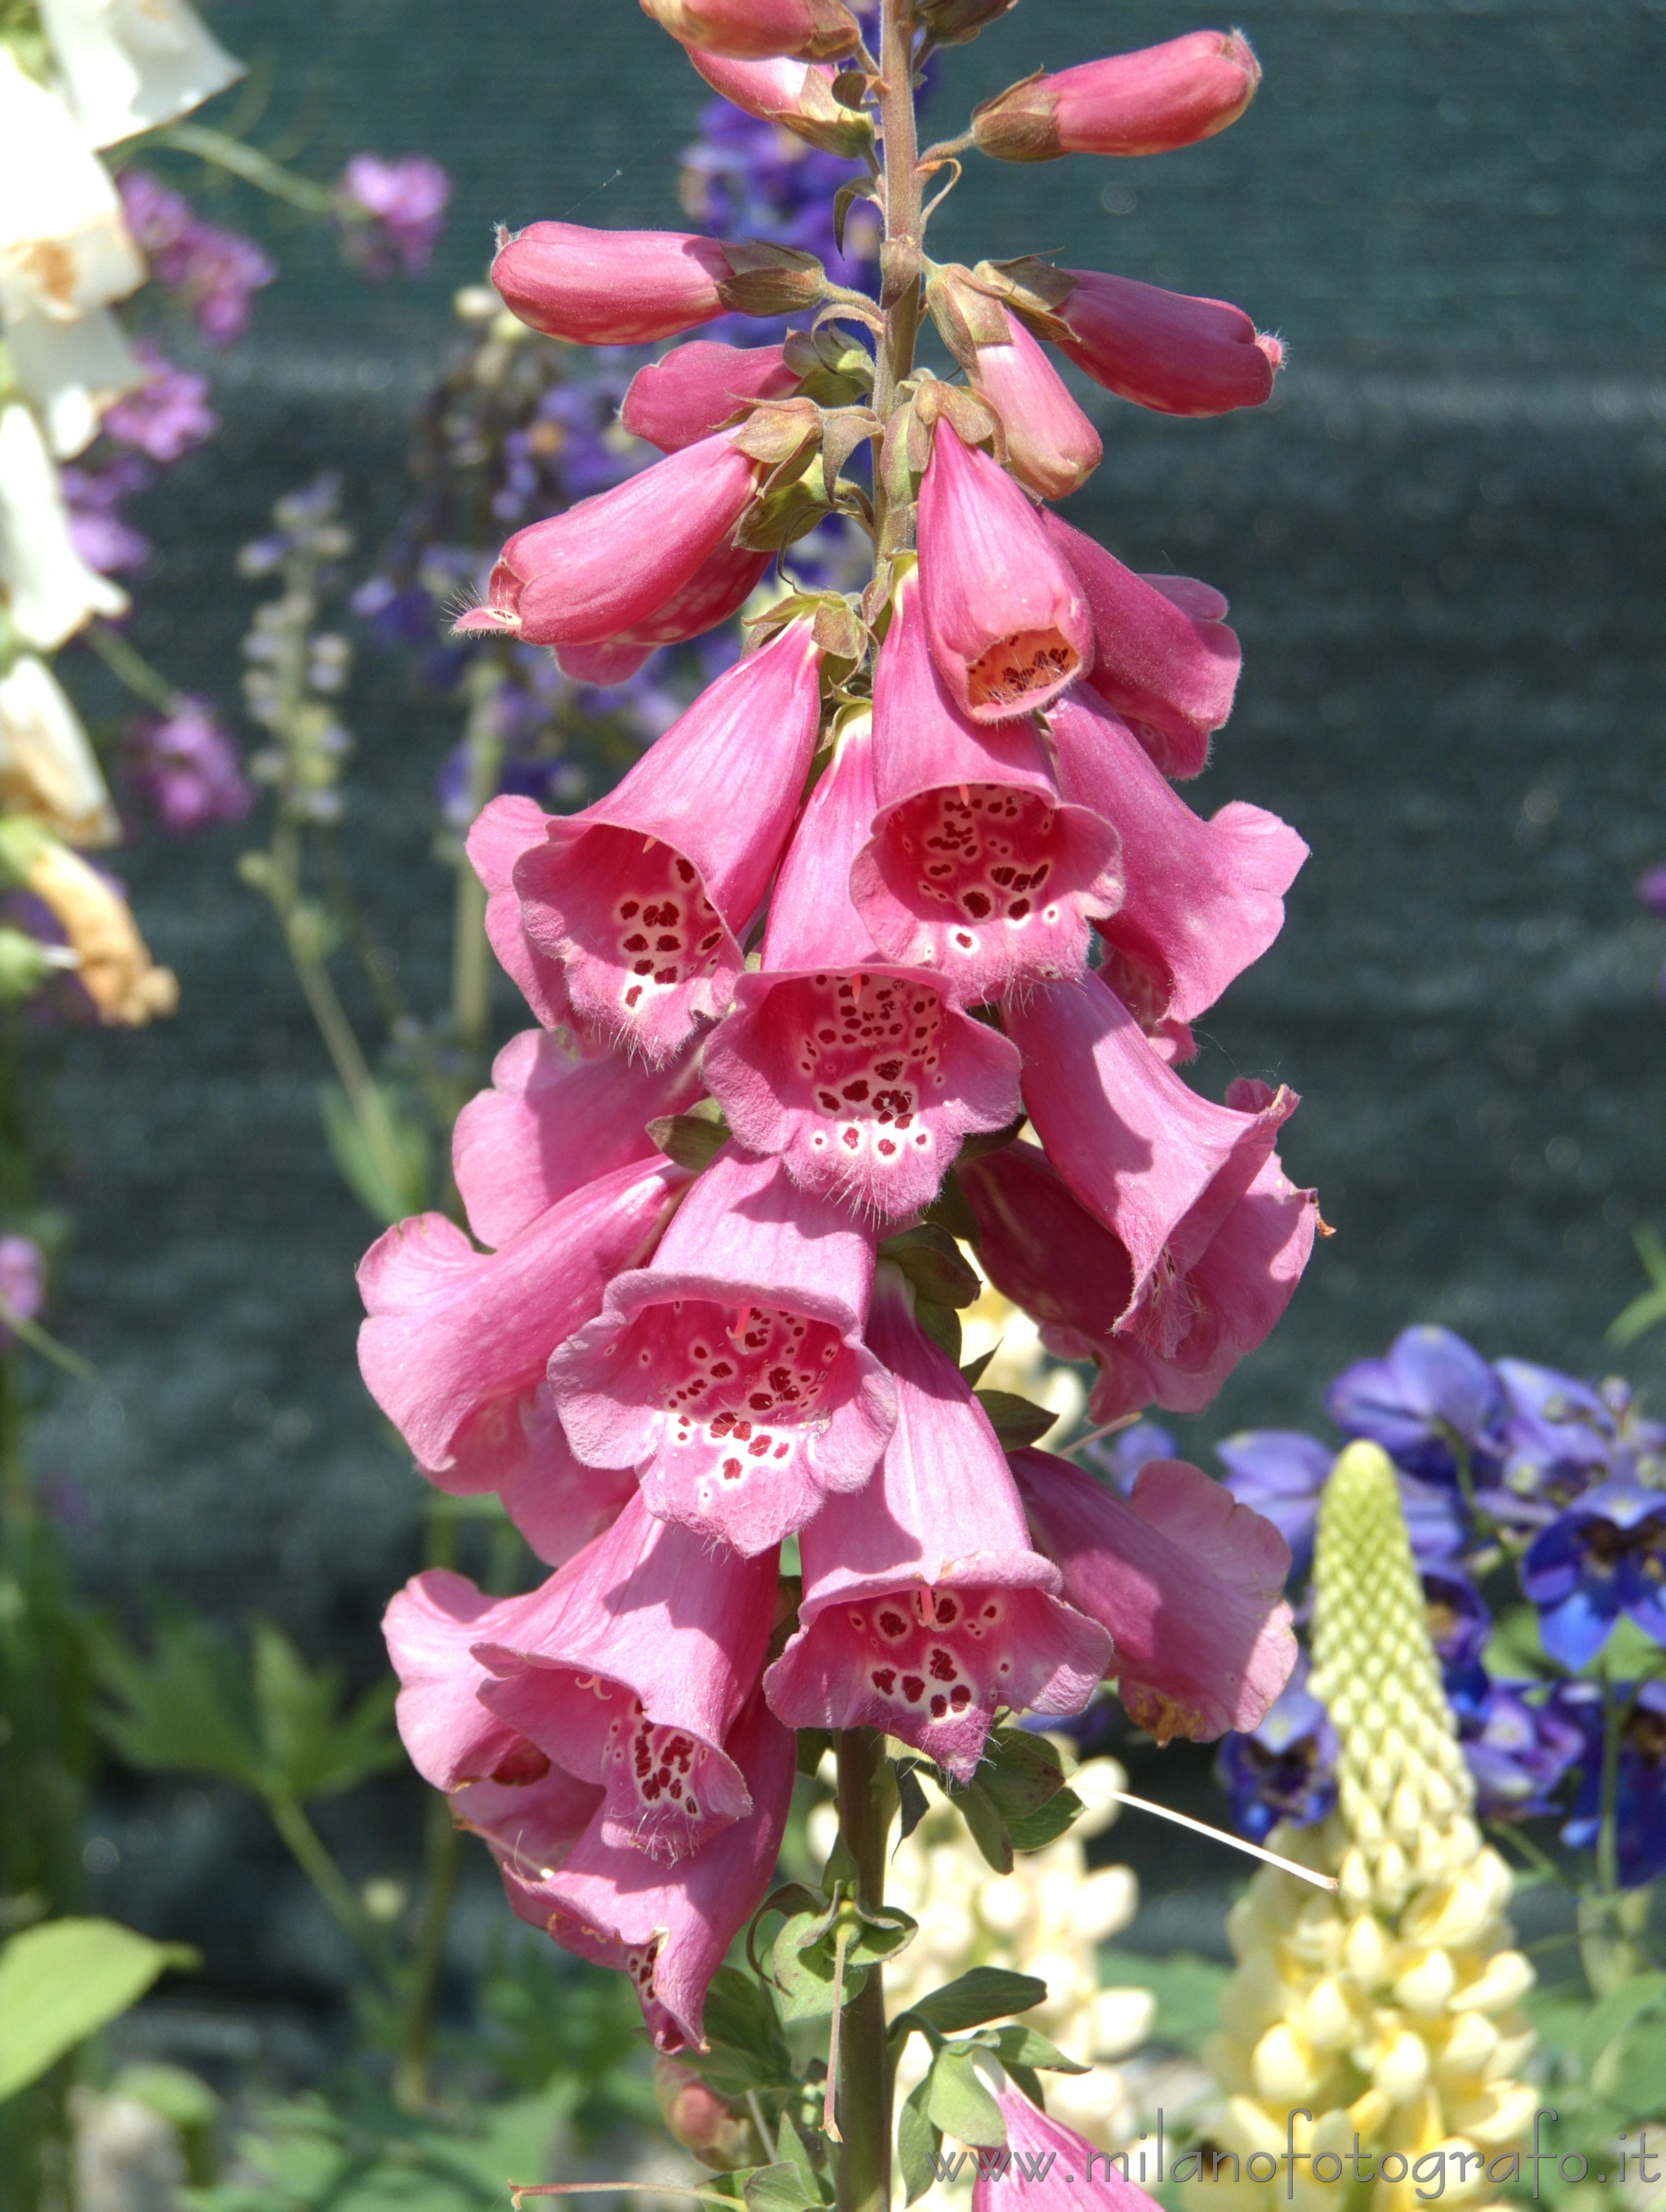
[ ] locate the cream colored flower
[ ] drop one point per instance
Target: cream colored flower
(48, 770)
(130, 66)
(64, 245)
(111, 961)
(1391, 2009)
(70, 373)
(51, 592)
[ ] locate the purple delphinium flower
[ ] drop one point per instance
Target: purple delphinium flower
(392, 213)
(23, 1281)
(1431, 1398)
(1604, 1556)
(1119, 1457)
(1639, 1807)
(1459, 1625)
(1285, 1769)
(185, 764)
(167, 415)
(1519, 1745)
(1280, 1473)
(214, 272)
(1651, 888)
(105, 539)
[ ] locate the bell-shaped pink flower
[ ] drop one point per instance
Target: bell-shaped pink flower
(1166, 350)
(731, 1373)
(1200, 900)
(668, 1929)
(698, 388)
(925, 1606)
(753, 30)
(1007, 618)
(1189, 1583)
(500, 834)
(1148, 102)
(551, 1123)
(604, 568)
(976, 869)
(1143, 1153)
(1050, 444)
(457, 1341)
(1175, 1344)
(863, 1077)
(1054, 2168)
(1164, 659)
(558, 1504)
(718, 587)
(795, 94)
(642, 897)
(430, 1627)
(610, 287)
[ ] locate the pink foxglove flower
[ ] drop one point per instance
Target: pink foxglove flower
(552, 1122)
(1163, 661)
(611, 563)
(977, 868)
(610, 287)
(667, 1928)
(718, 587)
(1007, 617)
(730, 1373)
(1164, 349)
(640, 898)
(754, 30)
(1047, 2161)
(796, 95)
(862, 1076)
(1175, 1344)
(1051, 445)
(457, 1341)
(699, 387)
(1200, 900)
(1147, 102)
(924, 1606)
(1189, 1583)
(501, 833)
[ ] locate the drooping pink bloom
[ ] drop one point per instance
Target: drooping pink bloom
(1200, 900)
(1166, 350)
(610, 287)
(1148, 102)
(718, 587)
(668, 1929)
(1008, 620)
(558, 1504)
(457, 1341)
(925, 1606)
(730, 1373)
(609, 565)
(1050, 444)
(755, 30)
(976, 869)
(1175, 1344)
(863, 1077)
(1162, 657)
(1189, 1583)
(699, 387)
(499, 834)
(642, 897)
(1049, 2161)
(551, 1123)
(796, 95)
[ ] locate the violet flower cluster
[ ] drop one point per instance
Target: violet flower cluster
(1531, 1478)
(911, 870)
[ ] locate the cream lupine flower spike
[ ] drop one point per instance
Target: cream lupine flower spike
(1390, 2011)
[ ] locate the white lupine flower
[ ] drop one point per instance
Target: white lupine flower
(64, 245)
(130, 66)
(48, 770)
(50, 592)
(1390, 2009)
(70, 373)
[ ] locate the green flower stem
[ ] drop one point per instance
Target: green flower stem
(864, 2083)
(130, 668)
(471, 955)
(902, 224)
(308, 1849)
(248, 162)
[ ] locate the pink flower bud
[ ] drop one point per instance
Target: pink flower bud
(609, 565)
(755, 30)
(610, 287)
(924, 1606)
(1008, 620)
(1163, 658)
(1147, 102)
(1050, 444)
(718, 587)
(1164, 349)
(861, 1076)
(699, 388)
(1189, 1583)
(720, 2135)
(797, 96)
(976, 869)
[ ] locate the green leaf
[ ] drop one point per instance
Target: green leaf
(934, 1264)
(983, 1993)
(390, 1178)
(983, 1824)
(1615, 2013)
(942, 1325)
(63, 1981)
(1016, 1421)
(1018, 2046)
(779, 2188)
(950, 1210)
(1019, 1771)
(805, 1956)
(1033, 1831)
(972, 1372)
(813, 1746)
(918, 2141)
(689, 1140)
(911, 1799)
(312, 1750)
(958, 2102)
(742, 2028)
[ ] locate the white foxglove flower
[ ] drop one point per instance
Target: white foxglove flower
(64, 245)
(112, 962)
(70, 373)
(51, 592)
(48, 770)
(130, 66)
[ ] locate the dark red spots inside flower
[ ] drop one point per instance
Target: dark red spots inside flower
(892, 1623)
(883, 1680)
(913, 1689)
(942, 1667)
(1019, 667)
(960, 1697)
(940, 1707)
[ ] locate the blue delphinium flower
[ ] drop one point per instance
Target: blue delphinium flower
(1430, 1401)
(1639, 1808)
(1280, 1472)
(1603, 1556)
(1519, 1745)
(1119, 1457)
(1285, 1769)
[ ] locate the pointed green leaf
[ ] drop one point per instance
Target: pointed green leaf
(1018, 2046)
(918, 2141)
(984, 1993)
(63, 1981)
(958, 2102)
(942, 1325)
(779, 2188)
(388, 1171)
(312, 1750)
(1033, 1831)
(1016, 1421)
(984, 1825)
(972, 1372)
(1019, 1771)
(910, 1797)
(185, 1709)
(689, 1140)
(934, 1264)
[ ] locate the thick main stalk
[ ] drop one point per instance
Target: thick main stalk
(901, 189)
(864, 2101)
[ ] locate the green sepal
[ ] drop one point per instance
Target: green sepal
(951, 1210)
(1018, 2046)
(688, 1140)
(745, 2049)
(933, 1262)
(1016, 1421)
(1034, 1831)
(972, 1372)
(942, 1325)
(919, 2139)
(813, 1746)
(804, 1956)
(983, 1824)
(1026, 2079)
(911, 1798)
(958, 2102)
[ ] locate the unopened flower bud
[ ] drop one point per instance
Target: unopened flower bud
(630, 287)
(798, 96)
(1166, 350)
(756, 30)
(698, 2118)
(1147, 102)
(698, 388)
